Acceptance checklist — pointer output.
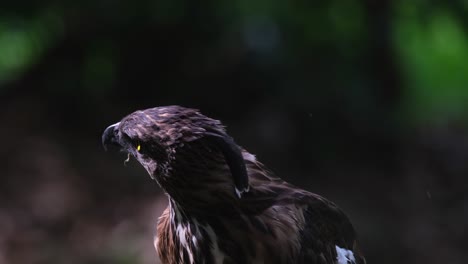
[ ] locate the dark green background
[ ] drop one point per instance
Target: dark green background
(364, 102)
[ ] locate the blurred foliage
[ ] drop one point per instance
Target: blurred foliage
(24, 40)
(429, 41)
(433, 46)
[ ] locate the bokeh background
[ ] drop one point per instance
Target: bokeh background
(364, 102)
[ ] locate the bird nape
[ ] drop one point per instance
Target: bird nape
(224, 205)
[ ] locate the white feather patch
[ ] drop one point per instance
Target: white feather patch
(344, 256)
(182, 233)
(248, 156)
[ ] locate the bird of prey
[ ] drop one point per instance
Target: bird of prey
(224, 205)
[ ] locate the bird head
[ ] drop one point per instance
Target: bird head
(180, 148)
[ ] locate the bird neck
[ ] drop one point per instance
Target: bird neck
(177, 212)
(196, 193)
(198, 183)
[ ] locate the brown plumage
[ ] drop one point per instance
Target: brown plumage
(224, 206)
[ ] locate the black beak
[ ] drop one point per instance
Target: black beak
(109, 137)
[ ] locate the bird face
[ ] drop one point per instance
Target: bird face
(130, 141)
(171, 139)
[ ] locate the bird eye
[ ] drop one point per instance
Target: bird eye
(138, 148)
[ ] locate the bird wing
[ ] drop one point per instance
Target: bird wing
(327, 236)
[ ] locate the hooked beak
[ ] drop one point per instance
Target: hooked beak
(109, 137)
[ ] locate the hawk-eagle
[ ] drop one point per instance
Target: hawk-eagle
(224, 205)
